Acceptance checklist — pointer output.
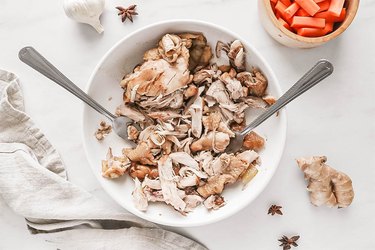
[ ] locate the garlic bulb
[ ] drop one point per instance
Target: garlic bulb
(85, 11)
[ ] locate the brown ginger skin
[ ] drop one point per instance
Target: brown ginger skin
(326, 185)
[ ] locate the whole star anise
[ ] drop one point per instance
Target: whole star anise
(286, 243)
(274, 209)
(127, 13)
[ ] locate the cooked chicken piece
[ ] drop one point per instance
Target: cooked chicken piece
(224, 68)
(195, 111)
(248, 156)
(215, 184)
(223, 127)
(141, 171)
(217, 141)
(234, 87)
(192, 201)
(140, 154)
(217, 94)
(254, 102)
(174, 100)
(270, 100)
(155, 77)
(190, 91)
(152, 54)
(164, 115)
(204, 158)
(168, 184)
(237, 109)
(206, 75)
(237, 56)
(253, 141)
(170, 47)
(184, 159)
(139, 197)
(200, 51)
(103, 130)
(219, 164)
(114, 167)
(125, 110)
(185, 144)
(133, 133)
(153, 195)
(255, 81)
(235, 52)
(188, 181)
(237, 127)
(186, 171)
(211, 122)
(214, 202)
(167, 147)
(151, 183)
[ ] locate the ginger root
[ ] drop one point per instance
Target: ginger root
(326, 185)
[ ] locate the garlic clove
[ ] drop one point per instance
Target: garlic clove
(85, 11)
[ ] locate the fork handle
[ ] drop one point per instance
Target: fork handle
(36, 61)
(317, 73)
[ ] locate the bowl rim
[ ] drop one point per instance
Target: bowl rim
(322, 39)
(282, 116)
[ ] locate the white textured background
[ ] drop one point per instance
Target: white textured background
(336, 119)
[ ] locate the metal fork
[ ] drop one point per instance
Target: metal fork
(317, 73)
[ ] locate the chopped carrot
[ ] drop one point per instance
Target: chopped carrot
(309, 6)
(274, 1)
(323, 6)
(335, 7)
(308, 22)
(316, 1)
(332, 19)
(314, 32)
(278, 14)
(302, 12)
(286, 2)
(280, 8)
(291, 10)
(285, 24)
(273, 7)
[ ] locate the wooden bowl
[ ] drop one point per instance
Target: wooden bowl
(290, 39)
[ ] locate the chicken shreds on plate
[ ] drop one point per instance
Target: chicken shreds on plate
(188, 108)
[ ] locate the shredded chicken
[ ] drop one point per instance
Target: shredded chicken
(103, 130)
(185, 108)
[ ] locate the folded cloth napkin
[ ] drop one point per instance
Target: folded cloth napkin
(34, 184)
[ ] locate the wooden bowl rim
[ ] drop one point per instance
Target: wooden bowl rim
(344, 25)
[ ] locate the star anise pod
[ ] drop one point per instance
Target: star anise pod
(286, 243)
(274, 209)
(127, 13)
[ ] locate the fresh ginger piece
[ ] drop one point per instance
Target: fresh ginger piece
(326, 185)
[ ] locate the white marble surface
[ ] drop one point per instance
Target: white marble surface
(336, 118)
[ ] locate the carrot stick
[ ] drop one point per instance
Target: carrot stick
(309, 6)
(323, 6)
(332, 19)
(274, 1)
(286, 2)
(314, 32)
(317, 1)
(308, 22)
(302, 12)
(335, 7)
(291, 10)
(280, 9)
(285, 24)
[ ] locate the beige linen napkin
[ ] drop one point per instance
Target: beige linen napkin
(34, 184)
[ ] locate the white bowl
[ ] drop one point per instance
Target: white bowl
(104, 83)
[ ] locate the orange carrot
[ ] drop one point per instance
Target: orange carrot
(280, 9)
(308, 22)
(323, 6)
(285, 24)
(274, 1)
(286, 2)
(302, 12)
(291, 10)
(309, 6)
(317, 1)
(332, 19)
(314, 32)
(335, 7)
